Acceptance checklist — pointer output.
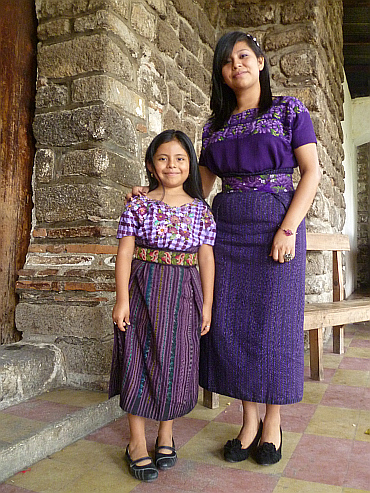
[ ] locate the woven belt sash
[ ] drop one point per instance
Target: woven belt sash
(165, 257)
(272, 183)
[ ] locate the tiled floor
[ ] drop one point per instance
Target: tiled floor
(326, 441)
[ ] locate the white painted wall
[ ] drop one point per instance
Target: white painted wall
(356, 130)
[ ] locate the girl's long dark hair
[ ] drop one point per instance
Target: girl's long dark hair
(193, 184)
(223, 99)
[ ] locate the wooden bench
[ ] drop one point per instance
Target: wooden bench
(335, 314)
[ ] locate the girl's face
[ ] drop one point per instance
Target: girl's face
(242, 69)
(171, 164)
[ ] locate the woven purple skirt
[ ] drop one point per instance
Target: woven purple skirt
(156, 361)
(254, 350)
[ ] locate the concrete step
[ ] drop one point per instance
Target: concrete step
(27, 370)
(36, 428)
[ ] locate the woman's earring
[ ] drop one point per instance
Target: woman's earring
(151, 174)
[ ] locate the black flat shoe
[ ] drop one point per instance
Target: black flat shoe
(165, 461)
(145, 473)
(233, 451)
(266, 454)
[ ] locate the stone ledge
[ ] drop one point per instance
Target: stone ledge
(55, 436)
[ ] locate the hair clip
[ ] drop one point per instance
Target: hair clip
(253, 39)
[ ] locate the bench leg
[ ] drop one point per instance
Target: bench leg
(338, 339)
(210, 399)
(316, 354)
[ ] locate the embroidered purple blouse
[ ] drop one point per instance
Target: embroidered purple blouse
(251, 145)
(158, 225)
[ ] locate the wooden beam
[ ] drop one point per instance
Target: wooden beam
(327, 241)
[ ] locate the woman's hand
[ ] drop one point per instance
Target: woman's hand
(136, 191)
(282, 245)
(121, 315)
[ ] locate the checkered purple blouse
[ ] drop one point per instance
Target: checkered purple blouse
(158, 225)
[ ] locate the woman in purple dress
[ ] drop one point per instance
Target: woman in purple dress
(254, 350)
(163, 304)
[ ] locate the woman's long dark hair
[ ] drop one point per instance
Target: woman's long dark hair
(223, 99)
(193, 184)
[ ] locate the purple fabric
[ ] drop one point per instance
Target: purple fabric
(156, 361)
(254, 350)
(250, 145)
(157, 225)
(273, 183)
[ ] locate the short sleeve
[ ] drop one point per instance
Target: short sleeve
(205, 140)
(129, 222)
(208, 231)
(302, 127)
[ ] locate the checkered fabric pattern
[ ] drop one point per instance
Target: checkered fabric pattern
(158, 225)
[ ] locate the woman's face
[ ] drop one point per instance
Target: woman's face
(242, 68)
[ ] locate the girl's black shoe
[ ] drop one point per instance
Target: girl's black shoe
(266, 454)
(165, 461)
(233, 451)
(145, 473)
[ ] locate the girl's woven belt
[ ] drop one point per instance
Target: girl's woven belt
(165, 257)
(272, 183)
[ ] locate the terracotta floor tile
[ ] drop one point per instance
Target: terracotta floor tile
(328, 374)
(334, 422)
(361, 364)
(12, 428)
(346, 396)
(358, 352)
(320, 459)
(352, 378)
(358, 475)
(288, 485)
(313, 392)
(351, 490)
(41, 410)
(360, 343)
(363, 426)
(296, 417)
(201, 412)
(9, 488)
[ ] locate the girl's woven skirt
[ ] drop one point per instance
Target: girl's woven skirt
(156, 361)
(254, 350)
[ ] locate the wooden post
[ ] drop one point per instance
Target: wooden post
(18, 85)
(316, 354)
(210, 399)
(338, 295)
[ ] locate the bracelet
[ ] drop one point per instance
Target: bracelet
(287, 232)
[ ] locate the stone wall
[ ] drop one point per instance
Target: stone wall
(363, 224)
(112, 74)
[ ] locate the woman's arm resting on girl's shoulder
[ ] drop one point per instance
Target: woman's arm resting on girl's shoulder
(207, 277)
(121, 310)
(308, 163)
(208, 179)
(135, 191)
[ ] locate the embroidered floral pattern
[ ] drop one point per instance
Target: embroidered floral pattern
(165, 257)
(272, 183)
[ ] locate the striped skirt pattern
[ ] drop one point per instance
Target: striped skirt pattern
(156, 361)
(254, 350)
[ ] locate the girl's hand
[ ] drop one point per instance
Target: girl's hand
(206, 321)
(121, 316)
(135, 192)
(282, 245)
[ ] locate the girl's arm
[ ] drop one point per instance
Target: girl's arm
(207, 277)
(121, 310)
(308, 162)
(208, 179)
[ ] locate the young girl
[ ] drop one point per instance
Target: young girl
(163, 304)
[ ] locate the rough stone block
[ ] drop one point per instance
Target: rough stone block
(175, 96)
(251, 14)
(193, 70)
(63, 321)
(206, 57)
(206, 30)
(109, 90)
(151, 84)
(44, 165)
(143, 21)
(77, 202)
(301, 34)
(298, 11)
(50, 95)
(299, 63)
(54, 8)
(84, 54)
(159, 6)
(94, 123)
(102, 164)
(188, 9)
(155, 120)
(58, 27)
(109, 22)
(188, 38)
(167, 39)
